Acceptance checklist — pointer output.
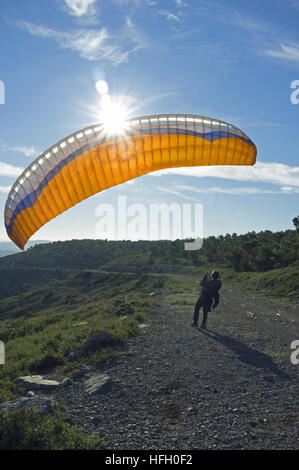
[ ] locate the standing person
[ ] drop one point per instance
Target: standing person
(209, 297)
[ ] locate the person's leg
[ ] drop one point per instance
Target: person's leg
(205, 316)
(198, 305)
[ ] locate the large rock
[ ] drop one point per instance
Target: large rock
(67, 382)
(42, 405)
(36, 382)
(98, 383)
(100, 340)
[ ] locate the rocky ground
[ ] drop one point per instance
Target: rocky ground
(232, 386)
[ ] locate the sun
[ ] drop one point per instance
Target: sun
(113, 113)
(114, 116)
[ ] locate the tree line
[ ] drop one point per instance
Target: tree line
(252, 251)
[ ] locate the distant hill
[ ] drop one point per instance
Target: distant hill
(8, 248)
(6, 253)
(251, 252)
(263, 260)
(74, 254)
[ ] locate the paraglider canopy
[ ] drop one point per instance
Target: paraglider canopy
(93, 159)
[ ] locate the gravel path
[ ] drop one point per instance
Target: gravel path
(232, 386)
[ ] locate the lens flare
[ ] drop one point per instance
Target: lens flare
(102, 87)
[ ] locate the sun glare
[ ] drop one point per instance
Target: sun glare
(113, 116)
(113, 112)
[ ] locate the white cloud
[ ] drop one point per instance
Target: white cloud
(269, 39)
(169, 16)
(175, 193)
(266, 32)
(26, 151)
(91, 44)
(286, 52)
(289, 189)
(135, 35)
(275, 173)
(9, 170)
(79, 7)
(238, 191)
(5, 189)
(249, 23)
(180, 3)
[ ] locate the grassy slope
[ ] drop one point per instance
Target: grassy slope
(277, 283)
(44, 313)
(41, 325)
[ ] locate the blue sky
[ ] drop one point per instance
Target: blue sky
(230, 60)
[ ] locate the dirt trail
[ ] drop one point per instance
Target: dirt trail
(232, 386)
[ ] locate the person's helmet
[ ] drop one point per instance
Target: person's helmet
(215, 275)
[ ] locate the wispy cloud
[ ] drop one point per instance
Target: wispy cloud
(9, 170)
(179, 190)
(285, 52)
(79, 8)
(275, 173)
(238, 191)
(136, 36)
(5, 189)
(270, 40)
(265, 38)
(22, 149)
(90, 44)
(174, 192)
(169, 15)
(180, 3)
(250, 23)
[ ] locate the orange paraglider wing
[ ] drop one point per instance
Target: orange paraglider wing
(90, 161)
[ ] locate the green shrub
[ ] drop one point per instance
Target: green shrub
(26, 430)
(46, 363)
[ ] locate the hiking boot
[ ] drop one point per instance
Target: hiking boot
(203, 327)
(194, 324)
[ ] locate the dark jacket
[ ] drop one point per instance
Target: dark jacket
(210, 289)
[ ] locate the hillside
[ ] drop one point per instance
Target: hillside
(56, 296)
(267, 262)
(231, 386)
(38, 326)
(250, 252)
